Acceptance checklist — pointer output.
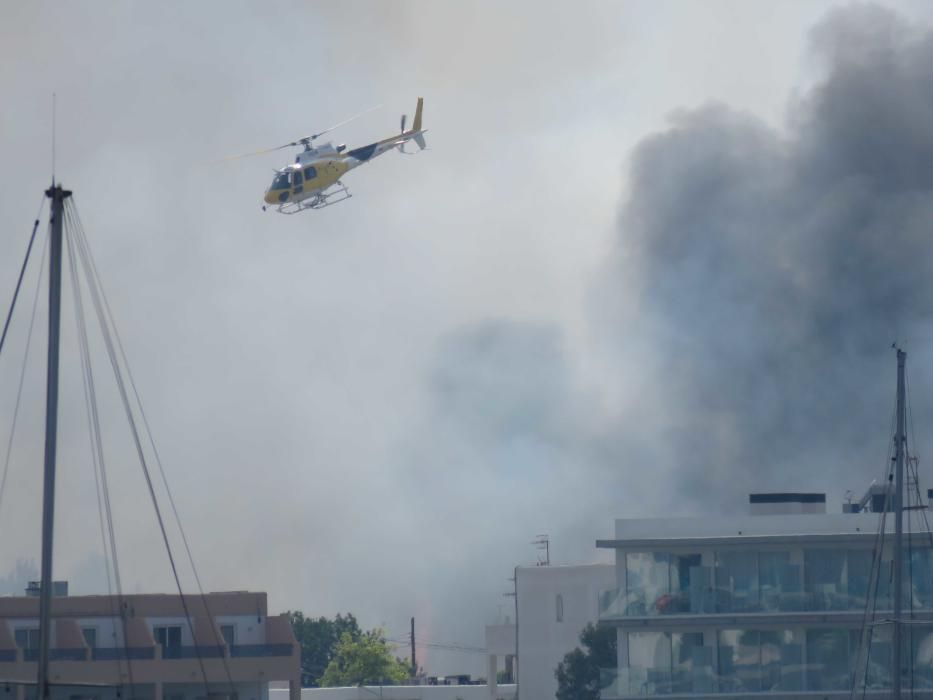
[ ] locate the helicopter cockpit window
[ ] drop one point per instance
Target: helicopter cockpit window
(280, 182)
(310, 173)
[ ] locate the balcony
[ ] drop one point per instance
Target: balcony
(56, 655)
(193, 652)
(123, 654)
(641, 681)
(616, 604)
(260, 650)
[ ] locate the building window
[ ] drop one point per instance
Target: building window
(759, 661)
(90, 636)
(737, 588)
(167, 636)
(560, 607)
(228, 632)
(829, 661)
(661, 663)
(658, 583)
(27, 638)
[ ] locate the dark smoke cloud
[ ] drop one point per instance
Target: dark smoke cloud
(773, 270)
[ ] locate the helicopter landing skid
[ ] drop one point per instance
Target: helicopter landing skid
(318, 201)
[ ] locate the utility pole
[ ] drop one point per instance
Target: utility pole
(900, 442)
(414, 659)
(58, 197)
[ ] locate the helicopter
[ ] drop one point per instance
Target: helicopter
(313, 180)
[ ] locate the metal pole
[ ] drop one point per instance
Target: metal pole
(414, 659)
(517, 660)
(900, 440)
(58, 196)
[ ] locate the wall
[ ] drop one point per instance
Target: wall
(543, 641)
(248, 630)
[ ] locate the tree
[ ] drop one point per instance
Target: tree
(366, 660)
(578, 676)
(318, 640)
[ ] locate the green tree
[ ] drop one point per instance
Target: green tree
(578, 676)
(318, 640)
(366, 660)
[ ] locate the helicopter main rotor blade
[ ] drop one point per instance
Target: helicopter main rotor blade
(305, 140)
(339, 124)
(254, 153)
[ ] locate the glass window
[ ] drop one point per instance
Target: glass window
(310, 173)
(280, 182)
(779, 581)
(739, 661)
(228, 632)
(647, 579)
(559, 604)
(168, 636)
(921, 578)
(90, 636)
(649, 658)
(781, 661)
(828, 665)
(27, 638)
(737, 582)
(296, 178)
(880, 657)
(922, 656)
(859, 576)
(825, 578)
(691, 663)
(690, 583)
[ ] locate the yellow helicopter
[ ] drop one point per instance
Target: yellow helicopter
(313, 180)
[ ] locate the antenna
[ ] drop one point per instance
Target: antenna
(53, 140)
(542, 543)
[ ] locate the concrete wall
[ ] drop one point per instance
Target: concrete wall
(401, 692)
(248, 629)
(543, 640)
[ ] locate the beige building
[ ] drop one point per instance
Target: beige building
(231, 648)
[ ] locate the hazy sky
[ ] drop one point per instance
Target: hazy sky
(654, 259)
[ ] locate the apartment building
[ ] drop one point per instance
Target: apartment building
(231, 648)
(772, 603)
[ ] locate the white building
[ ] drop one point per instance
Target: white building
(770, 604)
(555, 603)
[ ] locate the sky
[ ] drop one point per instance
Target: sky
(653, 260)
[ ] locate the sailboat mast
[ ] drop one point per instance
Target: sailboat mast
(900, 441)
(58, 196)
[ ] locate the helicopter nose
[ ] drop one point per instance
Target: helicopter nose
(270, 197)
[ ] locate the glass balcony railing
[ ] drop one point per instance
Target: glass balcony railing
(640, 681)
(7, 655)
(619, 603)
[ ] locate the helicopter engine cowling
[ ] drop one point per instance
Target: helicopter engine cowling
(326, 149)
